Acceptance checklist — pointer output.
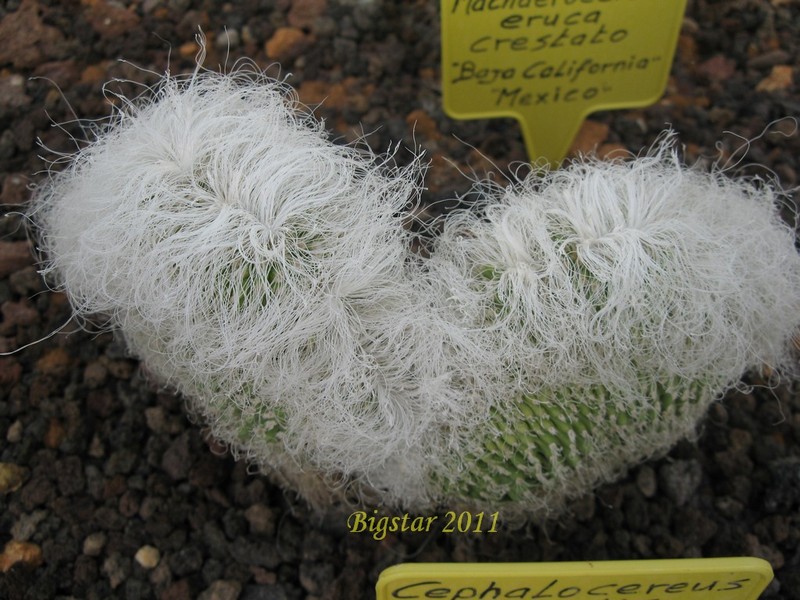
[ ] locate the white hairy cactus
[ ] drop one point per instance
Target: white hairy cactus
(624, 297)
(263, 272)
(582, 322)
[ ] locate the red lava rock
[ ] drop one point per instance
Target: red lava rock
(27, 41)
(108, 20)
(55, 434)
(261, 519)
(717, 68)
(18, 313)
(612, 151)
(61, 72)
(14, 255)
(422, 123)
(313, 92)
(189, 50)
(589, 138)
(55, 363)
(121, 369)
(304, 13)
(263, 577)
(129, 504)
(101, 402)
(686, 53)
(440, 177)
(206, 473)
(349, 94)
(179, 590)
(177, 459)
(114, 487)
(26, 282)
(95, 374)
(286, 43)
(10, 371)
(93, 74)
(20, 552)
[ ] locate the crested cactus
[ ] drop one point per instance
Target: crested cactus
(573, 325)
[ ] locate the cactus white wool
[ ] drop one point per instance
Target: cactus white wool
(583, 322)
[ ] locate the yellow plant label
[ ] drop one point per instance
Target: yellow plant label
(682, 579)
(550, 63)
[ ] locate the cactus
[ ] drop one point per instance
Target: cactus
(574, 324)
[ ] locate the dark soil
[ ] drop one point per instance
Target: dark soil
(118, 495)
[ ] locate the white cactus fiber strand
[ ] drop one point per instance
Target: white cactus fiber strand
(266, 274)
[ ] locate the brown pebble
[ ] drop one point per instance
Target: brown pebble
(687, 49)
(179, 590)
(93, 74)
(121, 369)
(188, 50)
(304, 13)
(108, 19)
(422, 123)
(55, 363)
(286, 43)
(63, 73)
(55, 434)
(10, 371)
(349, 94)
(15, 190)
(27, 41)
(261, 519)
(101, 402)
(177, 459)
(222, 589)
(612, 151)
(717, 68)
(780, 78)
(20, 552)
(589, 137)
(95, 374)
(14, 256)
(155, 417)
(19, 313)
(263, 577)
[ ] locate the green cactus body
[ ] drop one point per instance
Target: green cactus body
(578, 429)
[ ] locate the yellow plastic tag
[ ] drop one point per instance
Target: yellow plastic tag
(683, 579)
(549, 63)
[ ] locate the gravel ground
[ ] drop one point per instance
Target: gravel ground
(109, 491)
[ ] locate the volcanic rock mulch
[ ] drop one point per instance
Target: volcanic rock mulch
(108, 491)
